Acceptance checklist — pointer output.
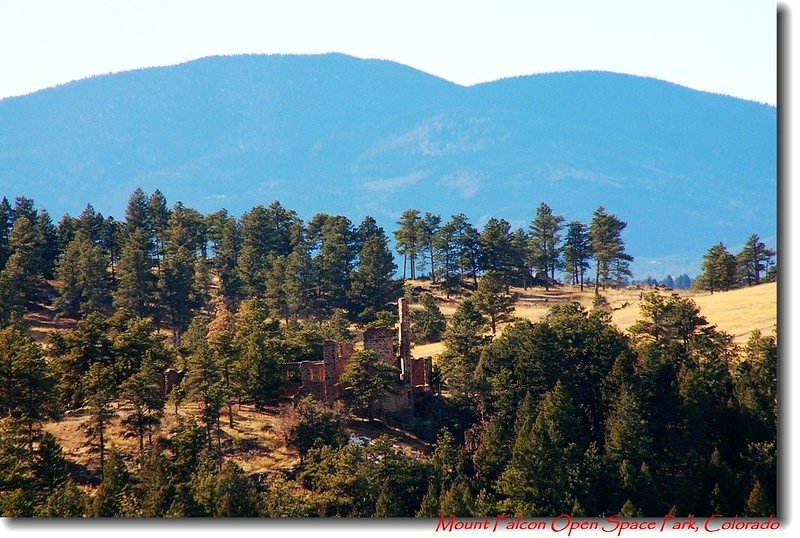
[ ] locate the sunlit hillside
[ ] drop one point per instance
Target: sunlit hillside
(737, 312)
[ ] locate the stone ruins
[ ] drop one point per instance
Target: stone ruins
(319, 379)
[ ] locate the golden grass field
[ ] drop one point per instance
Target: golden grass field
(737, 312)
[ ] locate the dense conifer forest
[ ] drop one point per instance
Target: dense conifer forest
(565, 415)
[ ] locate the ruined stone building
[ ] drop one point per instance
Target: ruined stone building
(319, 379)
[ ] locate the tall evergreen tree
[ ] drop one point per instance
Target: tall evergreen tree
(23, 269)
(82, 278)
(407, 240)
(718, 271)
(373, 285)
(136, 281)
(429, 229)
(464, 341)
(753, 259)
(28, 393)
(554, 440)
(146, 397)
(137, 216)
(6, 222)
(159, 216)
(545, 238)
(577, 251)
(608, 247)
(99, 386)
(496, 248)
(492, 300)
(175, 285)
(367, 379)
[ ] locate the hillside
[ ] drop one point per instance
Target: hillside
(685, 169)
(737, 312)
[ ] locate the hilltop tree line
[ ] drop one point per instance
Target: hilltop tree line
(568, 415)
(723, 271)
(455, 250)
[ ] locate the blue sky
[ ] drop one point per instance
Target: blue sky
(723, 46)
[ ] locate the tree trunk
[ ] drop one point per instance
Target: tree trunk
(597, 278)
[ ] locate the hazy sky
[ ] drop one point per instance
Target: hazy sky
(724, 46)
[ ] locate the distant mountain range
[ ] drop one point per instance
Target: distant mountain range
(331, 133)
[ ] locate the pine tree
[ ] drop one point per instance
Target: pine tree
(496, 249)
(49, 466)
(545, 237)
(137, 216)
(366, 379)
(257, 343)
(719, 270)
(577, 251)
(333, 238)
(23, 269)
(464, 341)
(6, 223)
(99, 388)
(68, 500)
(28, 395)
(136, 282)
(159, 215)
(175, 284)
(235, 493)
(82, 278)
(754, 258)
(428, 323)
(145, 395)
(429, 229)
(112, 496)
(447, 251)
(225, 236)
(372, 285)
(48, 244)
(554, 440)
(608, 247)
(205, 385)
(492, 300)
(221, 332)
(407, 240)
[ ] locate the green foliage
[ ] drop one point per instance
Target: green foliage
(464, 341)
(754, 258)
(408, 240)
(100, 391)
(365, 380)
(496, 249)
(554, 440)
(67, 500)
(282, 500)
(493, 301)
(114, 497)
(28, 394)
(605, 234)
(136, 284)
(719, 270)
(372, 285)
(354, 481)
(235, 494)
(428, 324)
(143, 391)
(577, 251)
(82, 278)
(545, 239)
(314, 426)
